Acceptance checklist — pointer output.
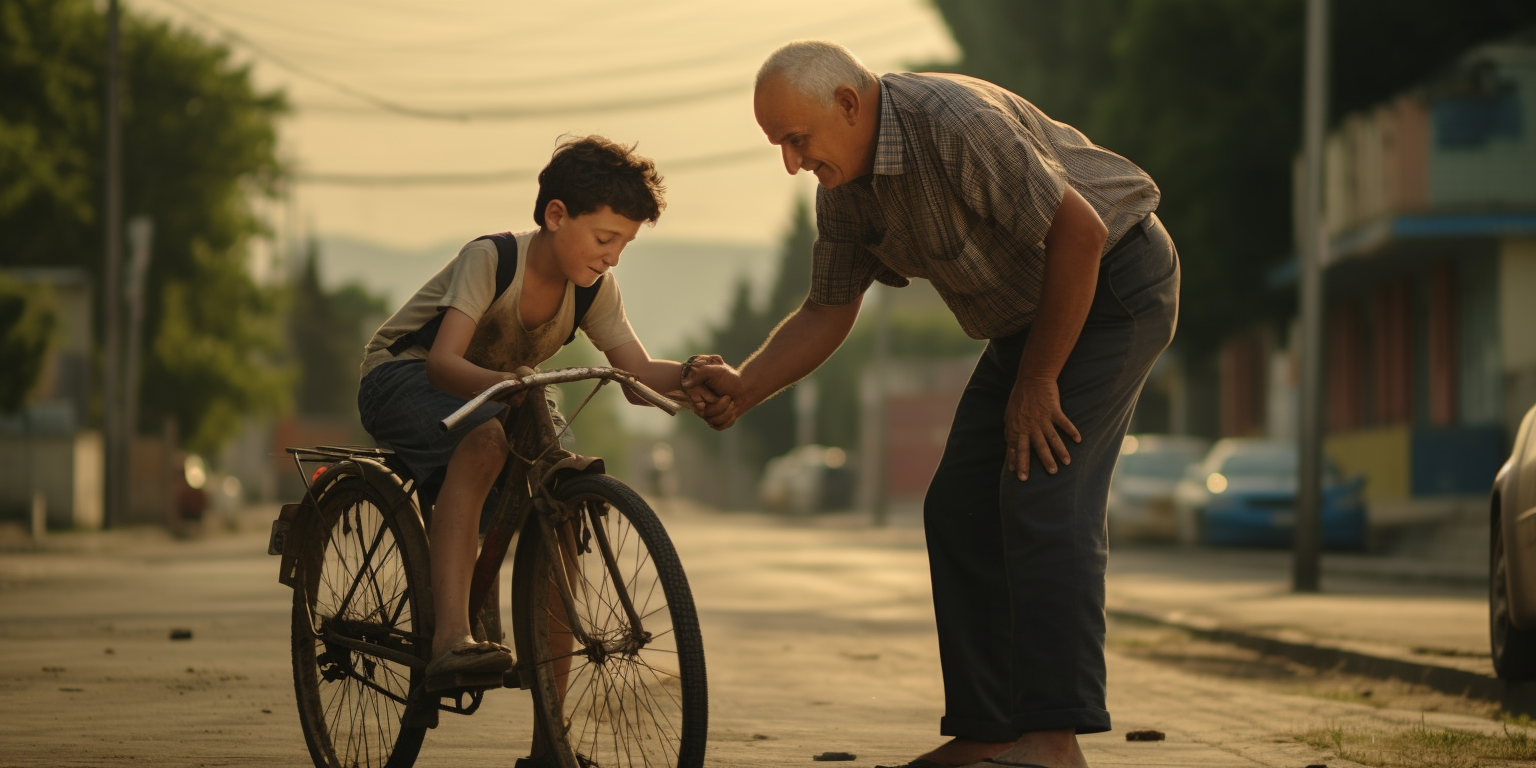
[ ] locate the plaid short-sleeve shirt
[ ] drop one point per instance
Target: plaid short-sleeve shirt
(967, 178)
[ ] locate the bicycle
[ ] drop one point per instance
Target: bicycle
(605, 633)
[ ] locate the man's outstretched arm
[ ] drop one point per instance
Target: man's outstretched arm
(799, 345)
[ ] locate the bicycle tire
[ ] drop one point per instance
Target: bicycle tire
(625, 701)
(364, 575)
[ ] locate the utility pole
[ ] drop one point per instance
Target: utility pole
(111, 286)
(141, 232)
(1312, 248)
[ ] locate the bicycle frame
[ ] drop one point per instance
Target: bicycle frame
(531, 473)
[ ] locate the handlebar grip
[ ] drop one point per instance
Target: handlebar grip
(474, 404)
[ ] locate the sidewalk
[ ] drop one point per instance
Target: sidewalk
(1380, 617)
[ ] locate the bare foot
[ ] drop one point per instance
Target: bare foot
(965, 752)
(1057, 749)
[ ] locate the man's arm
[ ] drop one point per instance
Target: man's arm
(799, 345)
(1034, 416)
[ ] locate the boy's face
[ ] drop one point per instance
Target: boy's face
(587, 246)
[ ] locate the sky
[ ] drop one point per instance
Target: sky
(474, 94)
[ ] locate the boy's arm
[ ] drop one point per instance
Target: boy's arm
(446, 367)
(661, 375)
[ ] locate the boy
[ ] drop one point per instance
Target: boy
(455, 337)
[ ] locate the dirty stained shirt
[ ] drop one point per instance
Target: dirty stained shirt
(967, 177)
(501, 341)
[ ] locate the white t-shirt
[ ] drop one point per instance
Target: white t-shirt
(501, 342)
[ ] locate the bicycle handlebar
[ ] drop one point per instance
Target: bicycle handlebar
(564, 376)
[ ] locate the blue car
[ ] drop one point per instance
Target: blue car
(1244, 494)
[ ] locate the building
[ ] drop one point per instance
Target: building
(1430, 293)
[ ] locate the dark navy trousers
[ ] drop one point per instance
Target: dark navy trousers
(1018, 567)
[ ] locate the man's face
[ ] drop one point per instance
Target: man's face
(827, 141)
(588, 245)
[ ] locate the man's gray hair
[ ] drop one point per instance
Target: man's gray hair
(816, 68)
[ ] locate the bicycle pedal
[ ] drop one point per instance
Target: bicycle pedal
(454, 683)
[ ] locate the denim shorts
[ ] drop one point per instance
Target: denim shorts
(404, 412)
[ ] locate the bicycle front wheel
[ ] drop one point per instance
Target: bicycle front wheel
(360, 619)
(616, 692)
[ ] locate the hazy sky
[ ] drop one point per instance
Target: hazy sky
(478, 91)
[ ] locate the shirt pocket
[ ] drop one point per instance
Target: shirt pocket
(980, 264)
(897, 250)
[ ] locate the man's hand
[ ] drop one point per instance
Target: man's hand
(713, 388)
(1034, 424)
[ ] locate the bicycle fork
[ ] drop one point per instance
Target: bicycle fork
(557, 516)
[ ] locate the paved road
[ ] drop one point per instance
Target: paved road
(818, 633)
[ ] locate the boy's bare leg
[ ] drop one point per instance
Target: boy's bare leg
(455, 533)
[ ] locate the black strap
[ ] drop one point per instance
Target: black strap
(506, 269)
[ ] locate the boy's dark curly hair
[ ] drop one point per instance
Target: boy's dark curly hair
(589, 173)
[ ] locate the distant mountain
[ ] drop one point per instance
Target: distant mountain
(672, 288)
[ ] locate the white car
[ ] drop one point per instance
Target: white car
(1512, 559)
(810, 478)
(1141, 493)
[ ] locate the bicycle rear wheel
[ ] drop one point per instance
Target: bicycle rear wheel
(364, 580)
(629, 695)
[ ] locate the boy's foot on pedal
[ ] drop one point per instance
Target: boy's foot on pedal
(473, 658)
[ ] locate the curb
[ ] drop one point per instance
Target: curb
(1516, 698)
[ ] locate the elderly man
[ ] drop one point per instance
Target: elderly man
(1046, 246)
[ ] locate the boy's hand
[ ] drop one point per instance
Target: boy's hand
(710, 385)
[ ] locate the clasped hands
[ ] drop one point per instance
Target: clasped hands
(713, 390)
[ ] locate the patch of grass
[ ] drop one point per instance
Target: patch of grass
(1523, 720)
(1422, 746)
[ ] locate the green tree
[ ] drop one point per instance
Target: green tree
(199, 142)
(26, 327)
(326, 332)
(769, 429)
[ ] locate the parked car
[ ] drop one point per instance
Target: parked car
(1141, 493)
(810, 478)
(1244, 493)
(1512, 559)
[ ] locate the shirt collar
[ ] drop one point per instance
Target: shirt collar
(888, 160)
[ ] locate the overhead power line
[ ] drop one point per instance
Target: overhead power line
(543, 110)
(506, 112)
(507, 175)
(493, 113)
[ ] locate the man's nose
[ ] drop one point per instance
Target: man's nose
(792, 159)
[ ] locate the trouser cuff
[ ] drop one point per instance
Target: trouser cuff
(1086, 720)
(977, 730)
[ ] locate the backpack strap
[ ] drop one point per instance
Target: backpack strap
(584, 299)
(506, 269)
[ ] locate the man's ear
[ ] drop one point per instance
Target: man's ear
(846, 101)
(555, 215)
